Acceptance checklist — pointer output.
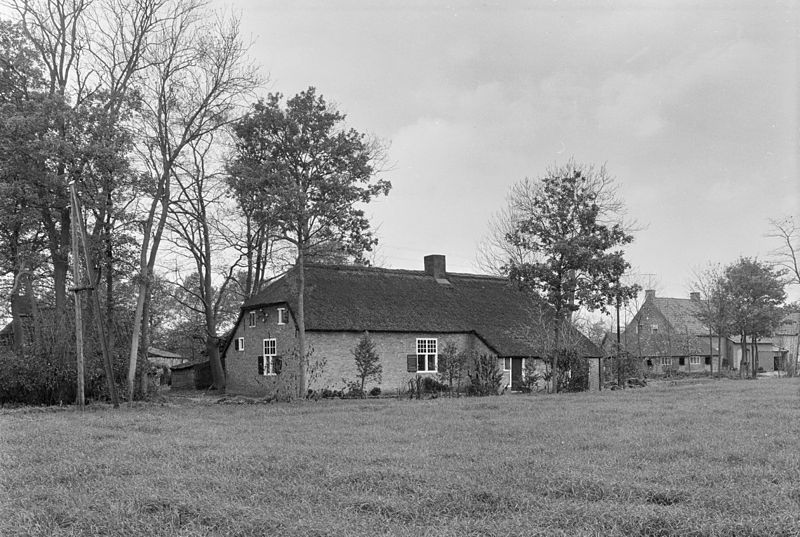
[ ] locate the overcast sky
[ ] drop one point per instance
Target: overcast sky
(692, 106)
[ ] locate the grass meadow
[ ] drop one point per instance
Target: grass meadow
(718, 458)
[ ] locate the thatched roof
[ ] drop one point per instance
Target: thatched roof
(354, 298)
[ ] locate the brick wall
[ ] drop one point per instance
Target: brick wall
(333, 349)
(241, 367)
(336, 349)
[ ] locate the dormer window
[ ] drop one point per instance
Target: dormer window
(251, 319)
(282, 316)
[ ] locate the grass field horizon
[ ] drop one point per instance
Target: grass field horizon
(718, 458)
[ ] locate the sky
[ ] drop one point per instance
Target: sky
(691, 106)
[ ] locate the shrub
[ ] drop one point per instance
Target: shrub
(431, 385)
(486, 377)
(451, 365)
(375, 392)
(352, 389)
(368, 363)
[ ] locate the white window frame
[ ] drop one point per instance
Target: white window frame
(506, 364)
(270, 352)
(666, 360)
(429, 348)
(654, 329)
(239, 344)
(282, 316)
(695, 360)
(251, 319)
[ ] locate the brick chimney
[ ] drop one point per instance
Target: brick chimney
(694, 295)
(435, 266)
(649, 294)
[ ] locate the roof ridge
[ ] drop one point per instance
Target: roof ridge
(364, 268)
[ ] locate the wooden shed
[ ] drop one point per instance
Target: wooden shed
(191, 376)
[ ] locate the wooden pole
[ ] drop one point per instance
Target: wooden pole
(95, 301)
(76, 279)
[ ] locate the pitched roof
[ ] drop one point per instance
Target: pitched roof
(681, 313)
(161, 353)
(354, 298)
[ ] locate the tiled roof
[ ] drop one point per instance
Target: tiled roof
(351, 298)
(681, 313)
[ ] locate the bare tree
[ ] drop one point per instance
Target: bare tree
(787, 233)
(195, 222)
(198, 75)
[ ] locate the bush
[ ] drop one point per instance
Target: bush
(375, 392)
(486, 378)
(431, 385)
(352, 389)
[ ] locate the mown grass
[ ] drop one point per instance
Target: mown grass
(715, 459)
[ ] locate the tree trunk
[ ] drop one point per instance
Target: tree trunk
(301, 323)
(36, 320)
(60, 270)
(743, 361)
(754, 343)
(16, 315)
(554, 363)
(136, 333)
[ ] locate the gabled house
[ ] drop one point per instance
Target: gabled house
(410, 315)
(668, 336)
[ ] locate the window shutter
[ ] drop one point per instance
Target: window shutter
(260, 365)
(411, 363)
(277, 364)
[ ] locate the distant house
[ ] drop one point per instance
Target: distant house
(787, 338)
(668, 336)
(410, 315)
(776, 353)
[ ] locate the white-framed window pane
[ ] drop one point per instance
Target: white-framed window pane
(251, 319)
(431, 362)
(421, 362)
(269, 347)
(507, 364)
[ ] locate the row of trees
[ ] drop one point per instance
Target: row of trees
(743, 299)
(190, 190)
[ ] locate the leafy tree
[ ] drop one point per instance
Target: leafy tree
(576, 264)
(368, 362)
(307, 177)
(755, 293)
